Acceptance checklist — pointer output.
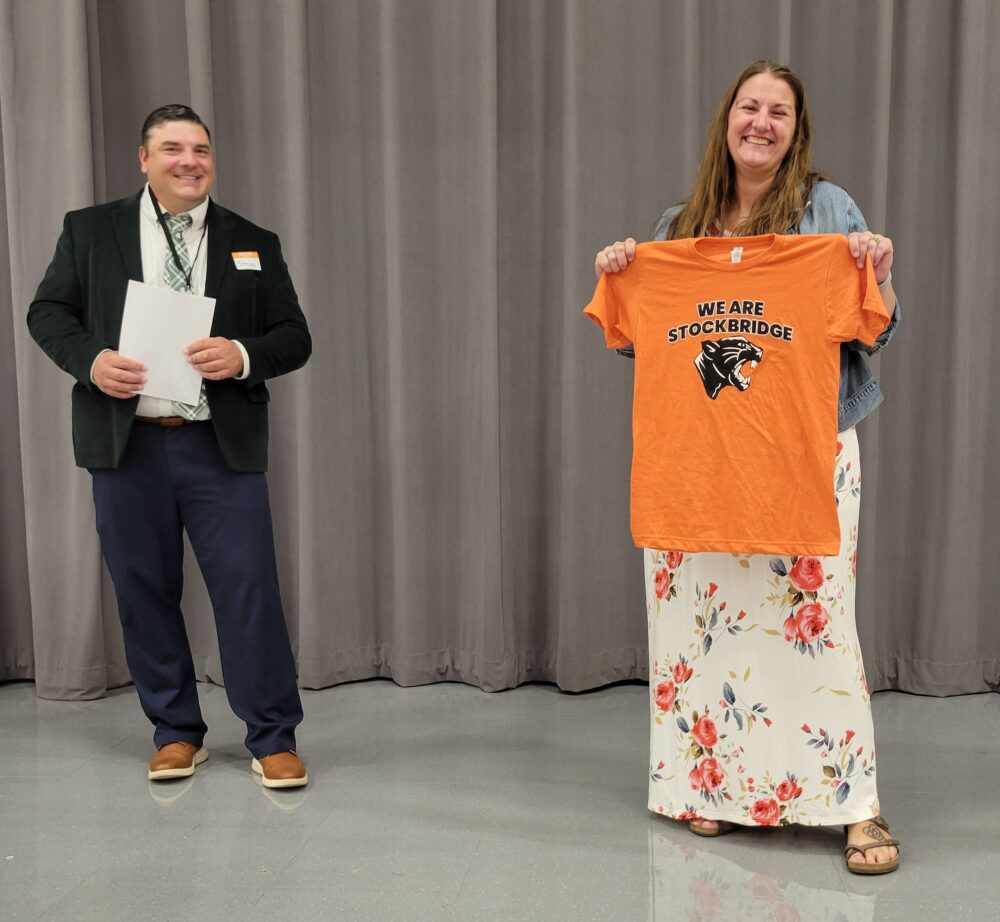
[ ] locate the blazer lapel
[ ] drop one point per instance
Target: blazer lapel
(126, 222)
(220, 235)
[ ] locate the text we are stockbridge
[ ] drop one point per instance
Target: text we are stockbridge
(735, 316)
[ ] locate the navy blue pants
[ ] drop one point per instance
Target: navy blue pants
(175, 480)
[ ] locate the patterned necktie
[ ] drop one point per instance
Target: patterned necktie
(177, 276)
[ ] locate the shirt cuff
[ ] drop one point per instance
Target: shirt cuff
(243, 375)
(92, 364)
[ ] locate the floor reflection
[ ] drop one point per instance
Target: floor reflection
(169, 793)
(692, 881)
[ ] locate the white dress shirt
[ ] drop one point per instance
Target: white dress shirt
(155, 253)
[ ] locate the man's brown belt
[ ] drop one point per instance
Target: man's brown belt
(168, 422)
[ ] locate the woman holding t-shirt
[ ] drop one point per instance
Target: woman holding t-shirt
(793, 742)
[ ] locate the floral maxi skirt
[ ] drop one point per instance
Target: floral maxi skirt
(759, 708)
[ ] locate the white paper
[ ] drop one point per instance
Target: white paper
(158, 323)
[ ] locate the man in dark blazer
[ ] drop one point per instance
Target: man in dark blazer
(159, 467)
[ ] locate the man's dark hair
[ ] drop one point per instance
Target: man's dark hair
(171, 113)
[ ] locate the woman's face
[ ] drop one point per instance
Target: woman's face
(761, 125)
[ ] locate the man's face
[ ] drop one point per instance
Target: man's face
(177, 161)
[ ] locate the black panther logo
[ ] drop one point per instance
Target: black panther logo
(720, 361)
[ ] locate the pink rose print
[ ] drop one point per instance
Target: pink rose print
(810, 622)
(666, 694)
(694, 776)
(674, 559)
(687, 815)
(711, 774)
(707, 775)
(704, 732)
(713, 588)
(765, 812)
(788, 790)
(662, 582)
(682, 672)
(807, 574)
(840, 447)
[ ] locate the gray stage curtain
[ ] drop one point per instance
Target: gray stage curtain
(449, 474)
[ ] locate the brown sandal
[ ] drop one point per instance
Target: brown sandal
(721, 828)
(883, 867)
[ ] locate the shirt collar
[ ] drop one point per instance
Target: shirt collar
(197, 213)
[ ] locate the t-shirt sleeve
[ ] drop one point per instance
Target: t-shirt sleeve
(615, 305)
(854, 307)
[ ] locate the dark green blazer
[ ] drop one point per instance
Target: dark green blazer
(78, 307)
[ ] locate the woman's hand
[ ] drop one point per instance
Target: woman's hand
(876, 246)
(616, 257)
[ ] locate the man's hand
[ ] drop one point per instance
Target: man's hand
(215, 358)
(117, 375)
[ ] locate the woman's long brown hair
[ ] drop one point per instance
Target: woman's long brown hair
(714, 189)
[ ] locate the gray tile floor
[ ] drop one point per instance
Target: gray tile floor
(444, 802)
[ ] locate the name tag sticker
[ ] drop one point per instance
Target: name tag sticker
(735, 254)
(248, 260)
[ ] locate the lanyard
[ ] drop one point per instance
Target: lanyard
(170, 241)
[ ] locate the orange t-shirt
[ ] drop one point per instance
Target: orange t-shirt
(737, 371)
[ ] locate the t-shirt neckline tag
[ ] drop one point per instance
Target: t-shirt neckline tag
(736, 255)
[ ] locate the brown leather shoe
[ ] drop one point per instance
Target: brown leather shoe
(176, 760)
(280, 770)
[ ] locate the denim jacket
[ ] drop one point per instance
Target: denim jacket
(830, 210)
